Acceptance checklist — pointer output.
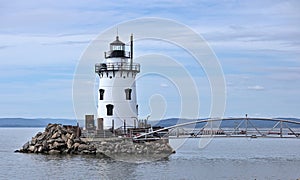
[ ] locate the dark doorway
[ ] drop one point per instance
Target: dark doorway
(109, 109)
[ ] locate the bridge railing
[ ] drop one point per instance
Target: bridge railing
(280, 127)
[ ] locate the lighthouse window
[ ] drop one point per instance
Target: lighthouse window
(117, 48)
(101, 93)
(109, 109)
(128, 93)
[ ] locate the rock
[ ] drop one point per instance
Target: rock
(49, 127)
(59, 140)
(33, 141)
(38, 134)
(50, 146)
(64, 137)
(117, 146)
(82, 147)
(72, 136)
(45, 145)
(55, 135)
(77, 140)
(31, 148)
(68, 135)
(145, 149)
(50, 141)
(69, 143)
(40, 149)
(105, 143)
(75, 146)
(92, 148)
(86, 152)
(42, 136)
(25, 146)
(57, 145)
(123, 150)
(107, 152)
(63, 131)
(54, 152)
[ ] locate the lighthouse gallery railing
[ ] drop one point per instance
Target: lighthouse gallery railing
(117, 66)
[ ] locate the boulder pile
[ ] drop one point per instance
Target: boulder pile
(58, 139)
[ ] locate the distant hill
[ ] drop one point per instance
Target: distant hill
(42, 122)
(39, 122)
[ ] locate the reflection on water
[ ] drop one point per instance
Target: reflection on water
(223, 158)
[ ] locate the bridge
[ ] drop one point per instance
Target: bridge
(243, 127)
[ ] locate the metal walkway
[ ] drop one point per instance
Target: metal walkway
(244, 127)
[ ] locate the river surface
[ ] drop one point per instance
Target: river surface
(222, 158)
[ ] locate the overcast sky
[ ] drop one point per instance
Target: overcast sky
(256, 42)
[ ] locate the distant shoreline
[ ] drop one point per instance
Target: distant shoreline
(33, 123)
(43, 122)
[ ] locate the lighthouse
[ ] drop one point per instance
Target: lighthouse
(117, 103)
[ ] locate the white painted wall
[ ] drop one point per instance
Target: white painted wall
(114, 94)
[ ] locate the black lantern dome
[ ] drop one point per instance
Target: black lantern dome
(117, 49)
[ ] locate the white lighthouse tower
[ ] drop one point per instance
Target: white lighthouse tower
(117, 104)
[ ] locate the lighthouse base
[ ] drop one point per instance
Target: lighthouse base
(126, 150)
(119, 123)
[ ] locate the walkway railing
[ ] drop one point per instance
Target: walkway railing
(245, 127)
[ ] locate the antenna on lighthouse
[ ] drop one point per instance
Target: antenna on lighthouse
(131, 51)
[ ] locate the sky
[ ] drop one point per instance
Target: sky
(257, 44)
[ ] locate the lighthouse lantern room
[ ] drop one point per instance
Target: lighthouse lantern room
(117, 104)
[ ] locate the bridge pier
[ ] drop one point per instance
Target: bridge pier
(281, 129)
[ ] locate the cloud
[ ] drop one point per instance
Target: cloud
(20, 39)
(67, 43)
(4, 47)
(257, 44)
(256, 88)
(164, 85)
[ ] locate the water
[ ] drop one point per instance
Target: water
(223, 158)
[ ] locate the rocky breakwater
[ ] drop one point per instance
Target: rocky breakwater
(58, 139)
(126, 149)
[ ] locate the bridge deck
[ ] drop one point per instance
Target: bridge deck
(245, 128)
